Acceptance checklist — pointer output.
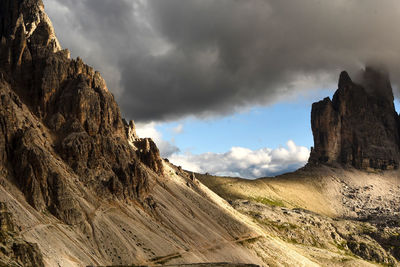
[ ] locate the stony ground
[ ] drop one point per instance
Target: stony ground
(335, 216)
(309, 230)
(187, 223)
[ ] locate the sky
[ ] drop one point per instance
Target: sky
(226, 86)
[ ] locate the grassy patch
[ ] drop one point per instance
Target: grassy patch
(367, 229)
(285, 226)
(342, 245)
(267, 201)
(343, 260)
(253, 214)
(278, 226)
(294, 241)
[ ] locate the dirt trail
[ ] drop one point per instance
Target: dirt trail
(164, 259)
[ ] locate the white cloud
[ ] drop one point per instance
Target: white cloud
(144, 130)
(149, 130)
(238, 161)
(244, 162)
(178, 129)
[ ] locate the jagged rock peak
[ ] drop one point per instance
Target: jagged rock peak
(30, 17)
(344, 79)
(360, 126)
(59, 124)
(130, 131)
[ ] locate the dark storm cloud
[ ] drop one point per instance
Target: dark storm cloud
(171, 58)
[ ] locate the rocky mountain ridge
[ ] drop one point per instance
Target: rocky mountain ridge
(73, 127)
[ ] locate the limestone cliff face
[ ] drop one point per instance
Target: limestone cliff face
(59, 123)
(360, 126)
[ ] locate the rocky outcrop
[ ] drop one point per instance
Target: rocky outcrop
(59, 124)
(309, 229)
(359, 127)
(14, 251)
(149, 154)
(130, 131)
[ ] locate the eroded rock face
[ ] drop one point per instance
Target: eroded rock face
(14, 251)
(59, 124)
(149, 154)
(360, 126)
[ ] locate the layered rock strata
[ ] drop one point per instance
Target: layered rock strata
(59, 122)
(359, 127)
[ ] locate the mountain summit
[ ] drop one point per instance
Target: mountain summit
(60, 122)
(360, 126)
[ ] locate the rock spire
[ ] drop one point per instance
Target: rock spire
(359, 127)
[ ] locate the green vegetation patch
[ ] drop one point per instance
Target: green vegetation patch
(285, 226)
(269, 202)
(342, 245)
(366, 229)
